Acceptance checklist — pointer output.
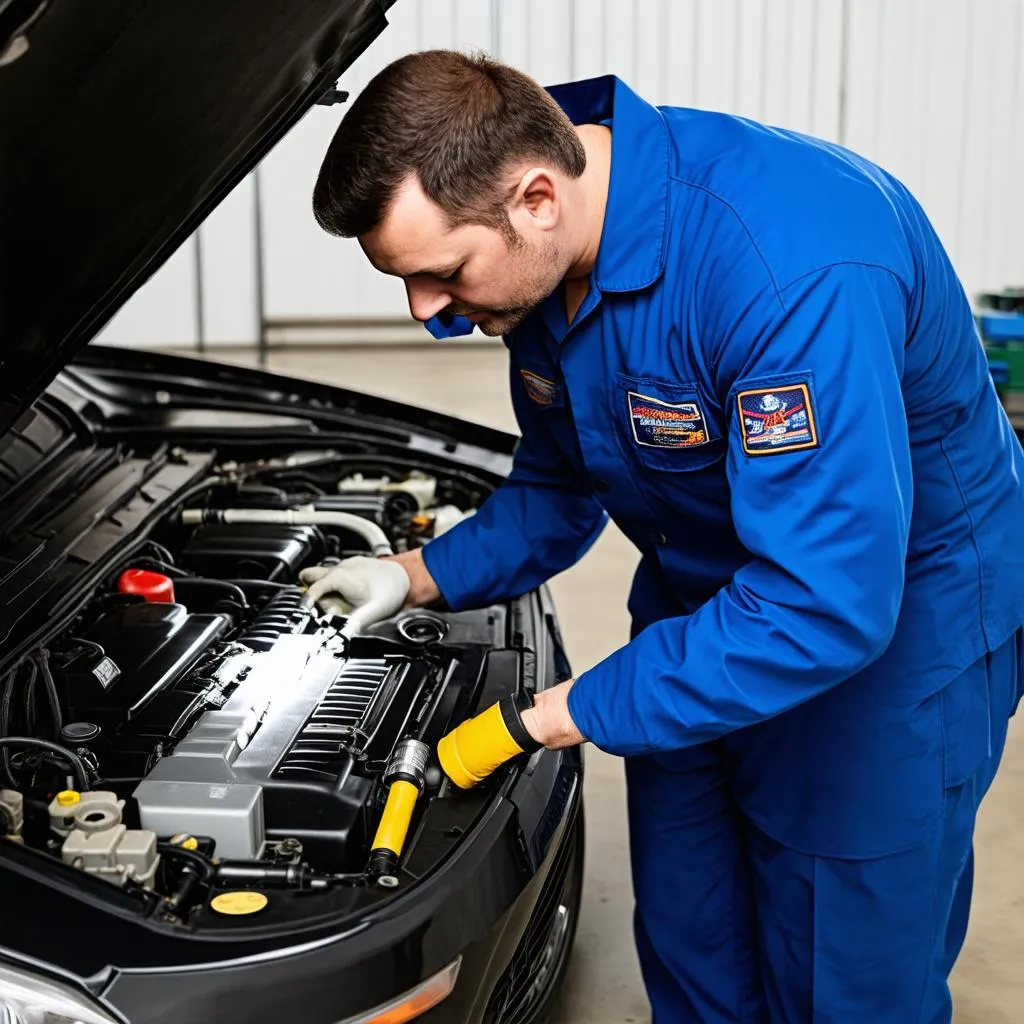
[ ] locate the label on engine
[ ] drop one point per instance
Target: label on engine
(106, 672)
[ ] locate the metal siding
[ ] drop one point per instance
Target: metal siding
(827, 81)
(622, 39)
(800, 63)
(549, 40)
(162, 311)
(939, 176)
(750, 59)
(586, 56)
(1014, 219)
(714, 56)
(652, 50)
(863, 32)
(931, 89)
(680, 43)
(228, 239)
(310, 273)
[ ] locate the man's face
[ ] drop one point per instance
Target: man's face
(472, 270)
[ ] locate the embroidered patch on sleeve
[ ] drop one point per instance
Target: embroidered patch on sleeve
(540, 389)
(658, 424)
(779, 419)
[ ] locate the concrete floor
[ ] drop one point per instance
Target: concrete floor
(604, 983)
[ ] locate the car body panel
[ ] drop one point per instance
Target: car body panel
(476, 904)
(123, 125)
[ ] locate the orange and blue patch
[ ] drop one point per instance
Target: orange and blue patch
(658, 424)
(779, 419)
(541, 390)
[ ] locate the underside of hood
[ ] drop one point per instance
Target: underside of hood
(122, 124)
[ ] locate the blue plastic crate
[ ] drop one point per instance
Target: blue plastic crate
(1000, 328)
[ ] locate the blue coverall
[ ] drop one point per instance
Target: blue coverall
(775, 388)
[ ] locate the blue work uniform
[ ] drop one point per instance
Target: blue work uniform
(775, 388)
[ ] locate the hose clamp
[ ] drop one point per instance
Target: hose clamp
(409, 761)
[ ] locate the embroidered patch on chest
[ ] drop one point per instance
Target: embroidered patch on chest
(658, 424)
(778, 419)
(540, 389)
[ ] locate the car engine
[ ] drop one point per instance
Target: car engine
(202, 720)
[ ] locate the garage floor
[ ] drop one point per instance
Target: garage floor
(604, 983)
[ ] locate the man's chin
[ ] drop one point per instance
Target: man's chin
(494, 326)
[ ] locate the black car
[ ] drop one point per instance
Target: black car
(193, 763)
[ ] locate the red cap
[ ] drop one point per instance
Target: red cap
(153, 586)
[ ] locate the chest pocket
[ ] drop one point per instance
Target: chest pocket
(667, 425)
(540, 396)
(543, 386)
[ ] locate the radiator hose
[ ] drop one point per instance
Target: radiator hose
(405, 777)
(369, 531)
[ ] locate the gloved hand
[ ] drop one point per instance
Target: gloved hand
(366, 590)
(471, 751)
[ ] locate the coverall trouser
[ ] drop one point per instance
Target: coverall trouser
(732, 925)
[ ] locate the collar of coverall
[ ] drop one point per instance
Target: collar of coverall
(631, 255)
(632, 251)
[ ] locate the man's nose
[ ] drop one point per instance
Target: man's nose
(424, 301)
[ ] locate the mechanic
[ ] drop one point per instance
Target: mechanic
(748, 348)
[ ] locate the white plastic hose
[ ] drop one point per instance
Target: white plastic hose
(370, 532)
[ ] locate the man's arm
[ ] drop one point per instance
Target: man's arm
(540, 521)
(821, 497)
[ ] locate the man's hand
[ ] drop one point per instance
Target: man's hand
(373, 588)
(354, 582)
(549, 721)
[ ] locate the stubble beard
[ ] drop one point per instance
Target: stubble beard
(538, 273)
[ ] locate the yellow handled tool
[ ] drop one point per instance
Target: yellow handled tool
(471, 751)
(406, 776)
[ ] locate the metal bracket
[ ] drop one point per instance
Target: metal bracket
(332, 97)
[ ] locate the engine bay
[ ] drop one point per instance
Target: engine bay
(196, 729)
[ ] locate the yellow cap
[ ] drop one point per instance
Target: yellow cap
(470, 752)
(68, 798)
(242, 901)
(191, 843)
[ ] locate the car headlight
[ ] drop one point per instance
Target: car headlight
(27, 998)
(415, 1002)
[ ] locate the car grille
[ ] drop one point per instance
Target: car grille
(527, 978)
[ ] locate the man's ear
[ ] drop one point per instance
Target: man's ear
(537, 197)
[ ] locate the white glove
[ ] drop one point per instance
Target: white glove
(367, 590)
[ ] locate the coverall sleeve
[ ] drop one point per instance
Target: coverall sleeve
(541, 520)
(823, 506)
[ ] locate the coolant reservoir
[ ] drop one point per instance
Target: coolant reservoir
(153, 586)
(96, 840)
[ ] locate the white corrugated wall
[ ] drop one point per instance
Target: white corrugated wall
(931, 89)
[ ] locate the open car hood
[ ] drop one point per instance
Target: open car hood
(122, 125)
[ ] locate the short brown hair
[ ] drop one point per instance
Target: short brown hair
(456, 121)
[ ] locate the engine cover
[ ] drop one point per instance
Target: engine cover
(294, 749)
(148, 647)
